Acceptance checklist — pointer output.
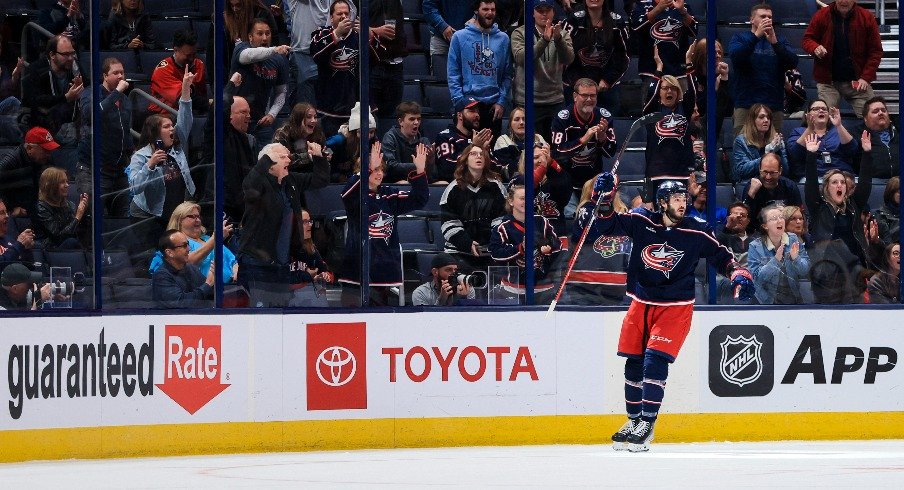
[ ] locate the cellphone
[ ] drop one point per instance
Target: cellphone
(159, 145)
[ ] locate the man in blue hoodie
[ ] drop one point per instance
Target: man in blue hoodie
(480, 66)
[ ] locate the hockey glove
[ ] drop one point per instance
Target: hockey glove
(605, 185)
(742, 284)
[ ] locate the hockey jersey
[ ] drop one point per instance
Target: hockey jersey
(507, 248)
(670, 145)
(166, 83)
(582, 161)
(383, 206)
(468, 213)
(663, 259)
(599, 275)
(668, 32)
(337, 67)
(448, 146)
(596, 57)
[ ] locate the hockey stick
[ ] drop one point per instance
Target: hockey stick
(577, 249)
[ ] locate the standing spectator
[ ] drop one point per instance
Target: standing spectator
(237, 17)
(795, 93)
(508, 147)
(159, 177)
(759, 61)
(445, 17)
(166, 79)
(128, 27)
(439, 291)
(59, 222)
(508, 240)
(187, 219)
(778, 261)
(582, 136)
(302, 135)
(668, 27)
(696, 72)
(452, 141)
(21, 168)
(10, 89)
(884, 136)
(117, 144)
(387, 80)
(66, 18)
(844, 38)
(601, 52)
(272, 198)
(303, 17)
(736, 236)
(335, 50)
(769, 187)
(670, 143)
(54, 86)
(480, 66)
(469, 205)
(888, 217)
(837, 146)
(552, 52)
(383, 205)
(348, 140)
(178, 283)
(401, 142)
(885, 287)
(796, 222)
(308, 272)
(758, 137)
(265, 73)
(552, 187)
(14, 249)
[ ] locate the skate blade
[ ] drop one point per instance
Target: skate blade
(638, 448)
(620, 446)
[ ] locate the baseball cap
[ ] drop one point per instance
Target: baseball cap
(40, 136)
(441, 260)
(539, 4)
(465, 103)
(17, 274)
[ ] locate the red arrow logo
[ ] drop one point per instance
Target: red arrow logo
(192, 368)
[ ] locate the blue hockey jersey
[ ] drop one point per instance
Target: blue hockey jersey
(663, 259)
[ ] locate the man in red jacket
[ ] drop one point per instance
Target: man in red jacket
(844, 38)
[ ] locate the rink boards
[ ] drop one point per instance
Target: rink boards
(112, 386)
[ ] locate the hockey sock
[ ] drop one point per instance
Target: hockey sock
(655, 372)
(633, 386)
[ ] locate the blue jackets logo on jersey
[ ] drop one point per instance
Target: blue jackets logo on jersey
(381, 226)
(661, 257)
(609, 246)
(671, 126)
(666, 30)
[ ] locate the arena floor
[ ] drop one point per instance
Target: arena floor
(857, 464)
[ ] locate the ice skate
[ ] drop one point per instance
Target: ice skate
(620, 438)
(639, 439)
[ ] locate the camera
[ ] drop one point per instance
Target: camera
(476, 280)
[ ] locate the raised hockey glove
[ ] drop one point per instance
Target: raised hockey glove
(605, 185)
(742, 284)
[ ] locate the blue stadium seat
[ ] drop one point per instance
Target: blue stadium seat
(166, 28)
(415, 67)
(322, 202)
(129, 63)
(170, 8)
(412, 37)
(439, 98)
(734, 12)
(411, 91)
(632, 166)
(202, 29)
(793, 11)
(621, 125)
(150, 59)
(423, 264)
(631, 72)
(17, 5)
(805, 67)
(431, 126)
(414, 233)
(794, 35)
(698, 9)
(74, 259)
(876, 194)
(725, 195)
(117, 265)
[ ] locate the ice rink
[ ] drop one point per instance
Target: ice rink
(857, 464)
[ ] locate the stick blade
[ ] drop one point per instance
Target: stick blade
(552, 306)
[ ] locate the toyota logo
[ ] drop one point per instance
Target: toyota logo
(341, 364)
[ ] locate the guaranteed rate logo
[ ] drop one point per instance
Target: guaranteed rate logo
(193, 365)
(72, 370)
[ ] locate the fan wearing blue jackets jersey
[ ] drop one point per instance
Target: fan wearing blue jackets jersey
(667, 246)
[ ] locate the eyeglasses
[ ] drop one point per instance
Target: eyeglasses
(586, 96)
(896, 253)
(193, 216)
(819, 109)
(68, 54)
(184, 245)
(476, 153)
(307, 222)
(668, 88)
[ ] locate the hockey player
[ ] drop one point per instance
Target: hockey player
(667, 246)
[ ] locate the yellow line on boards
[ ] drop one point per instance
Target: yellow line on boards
(321, 435)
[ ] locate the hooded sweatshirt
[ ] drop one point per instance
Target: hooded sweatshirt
(549, 59)
(480, 65)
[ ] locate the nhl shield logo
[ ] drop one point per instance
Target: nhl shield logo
(742, 361)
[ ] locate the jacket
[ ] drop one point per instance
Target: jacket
(468, 213)
(19, 180)
(117, 144)
(118, 33)
(397, 154)
(147, 186)
(668, 32)
(608, 62)
(745, 159)
(184, 288)
(507, 242)
(480, 71)
(886, 161)
(758, 70)
(238, 158)
(842, 154)
(766, 270)
(381, 10)
(884, 288)
(863, 39)
(441, 14)
(47, 103)
(263, 206)
(549, 58)
(888, 217)
(54, 224)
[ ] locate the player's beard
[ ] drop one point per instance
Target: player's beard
(673, 215)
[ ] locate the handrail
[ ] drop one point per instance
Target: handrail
(24, 45)
(155, 100)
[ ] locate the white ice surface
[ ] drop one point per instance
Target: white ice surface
(858, 464)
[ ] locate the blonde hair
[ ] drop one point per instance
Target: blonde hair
(49, 185)
(181, 211)
(671, 80)
(750, 132)
(788, 212)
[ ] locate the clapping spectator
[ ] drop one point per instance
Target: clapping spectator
(836, 145)
(65, 17)
(59, 222)
(303, 136)
(400, 143)
(14, 249)
(778, 261)
(758, 137)
(670, 144)
(769, 187)
(128, 27)
(885, 287)
(552, 187)
(796, 222)
(469, 205)
(696, 74)
(308, 272)
(187, 219)
(736, 235)
(452, 141)
(668, 27)
(508, 147)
